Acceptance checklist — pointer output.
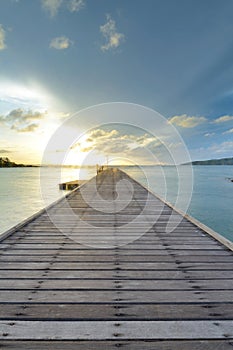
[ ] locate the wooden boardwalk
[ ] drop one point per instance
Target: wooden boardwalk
(107, 275)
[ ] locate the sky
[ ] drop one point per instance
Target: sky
(59, 57)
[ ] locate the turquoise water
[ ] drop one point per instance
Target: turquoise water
(211, 202)
(212, 194)
(20, 192)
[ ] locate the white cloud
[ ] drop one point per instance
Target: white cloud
(186, 121)
(224, 147)
(2, 38)
(27, 97)
(230, 131)
(112, 37)
(62, 115)
(60, 43)
(52, 6)
(209, 134)
(28, 128)
(113, 142)
(100, 134)
(223, 119)
(216, 150)
(76, 5)
(21, 120)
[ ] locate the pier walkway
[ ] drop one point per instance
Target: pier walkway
(98, 270)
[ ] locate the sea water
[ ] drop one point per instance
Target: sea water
(208, 197)
(211, 199)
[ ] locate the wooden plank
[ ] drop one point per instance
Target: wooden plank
(102, 330)
(96, 296)
(127, 284)
(150, 247)
(56, 265)
(124, 344)
(121, 274)
(123, 252)
(145, 239)
(116, 311)
(33, 256)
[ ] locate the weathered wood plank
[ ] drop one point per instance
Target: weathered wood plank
(102, 330)
(95, 296)
(114, 311)
(129, 284)
(83, 250)
(112, 345)
(121, 274)
(33, 256)
(143, 240)
(56, 265)
(89, 240)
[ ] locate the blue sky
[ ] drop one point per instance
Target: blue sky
(57, 57)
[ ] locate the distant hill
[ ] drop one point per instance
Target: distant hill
(222, 161)
(7, 163)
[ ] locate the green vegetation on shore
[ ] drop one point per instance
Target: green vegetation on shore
(7, 163)
(222, 161)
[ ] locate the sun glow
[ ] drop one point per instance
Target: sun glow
(23, 96)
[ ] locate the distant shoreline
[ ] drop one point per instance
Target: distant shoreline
(7, 163)
(20, 166)
(222, 161)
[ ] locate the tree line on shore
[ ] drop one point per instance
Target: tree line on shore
(7, 163)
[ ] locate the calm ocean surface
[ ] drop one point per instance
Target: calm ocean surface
(211, 202)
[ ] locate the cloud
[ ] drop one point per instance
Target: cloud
(52, 6)
(114, 142)
(230, 131)
(29, 128)
(209, 134)
(2, 38)
(216, 150)
(126, 143)
(4, 151)
(223, 119)
(223, 147)
(112, 37)
(17, 95)
(101, 134)
(62, 115)
(60, 43)
(185, 121)
(76, 5)
(22, 121)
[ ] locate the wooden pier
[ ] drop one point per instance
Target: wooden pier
(99, 279)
